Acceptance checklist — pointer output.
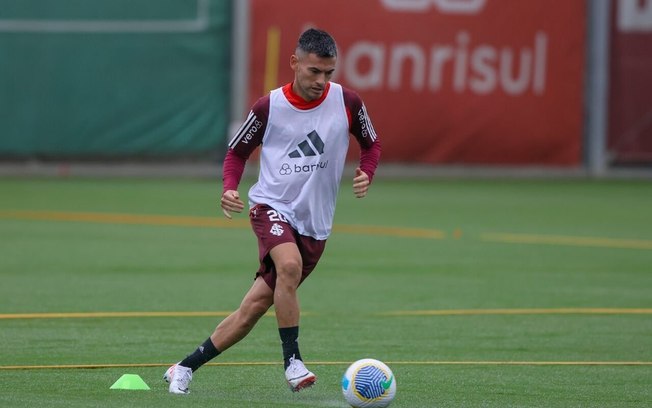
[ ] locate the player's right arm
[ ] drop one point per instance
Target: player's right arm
(246, 140)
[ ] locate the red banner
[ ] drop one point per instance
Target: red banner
(630, 112)
(446, 81)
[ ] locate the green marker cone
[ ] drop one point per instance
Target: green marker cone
(130, 382)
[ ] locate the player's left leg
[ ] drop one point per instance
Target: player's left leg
(289, 266)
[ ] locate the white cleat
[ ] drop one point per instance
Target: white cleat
(179, 378)
(298, 376)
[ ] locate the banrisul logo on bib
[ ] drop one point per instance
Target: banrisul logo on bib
(312, 146)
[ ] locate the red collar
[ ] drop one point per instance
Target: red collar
(300, 103)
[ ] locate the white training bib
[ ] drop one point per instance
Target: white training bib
(302, 158)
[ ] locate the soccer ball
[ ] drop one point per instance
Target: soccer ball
(368, 383)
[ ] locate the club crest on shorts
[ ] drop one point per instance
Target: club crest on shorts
(276, 230)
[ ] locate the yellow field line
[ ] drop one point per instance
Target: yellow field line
(567, 240)
(103, 315)
(207, 222)
(552, 311)
(451, 312)
(216, 222)
(100, 315)
(138, 219)
(390, 231)
(527, 363)
(332, 363)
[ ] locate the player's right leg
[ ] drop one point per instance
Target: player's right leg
(238, 324)
(231, 330)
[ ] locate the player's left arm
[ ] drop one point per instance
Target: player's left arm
(362, 129)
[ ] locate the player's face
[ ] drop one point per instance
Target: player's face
(311, 74)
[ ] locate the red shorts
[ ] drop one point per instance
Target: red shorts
(272, 229)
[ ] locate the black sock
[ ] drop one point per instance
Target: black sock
(289, 336)
(204, 353)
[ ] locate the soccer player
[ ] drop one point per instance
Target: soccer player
(304, 129)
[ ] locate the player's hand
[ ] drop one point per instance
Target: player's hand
(360, 183)
(231, 203)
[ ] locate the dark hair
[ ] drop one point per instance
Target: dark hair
(317, 42)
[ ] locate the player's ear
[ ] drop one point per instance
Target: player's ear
(294, 62)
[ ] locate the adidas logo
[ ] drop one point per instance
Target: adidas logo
(311, 147)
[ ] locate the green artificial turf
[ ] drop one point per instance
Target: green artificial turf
(477, 293)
